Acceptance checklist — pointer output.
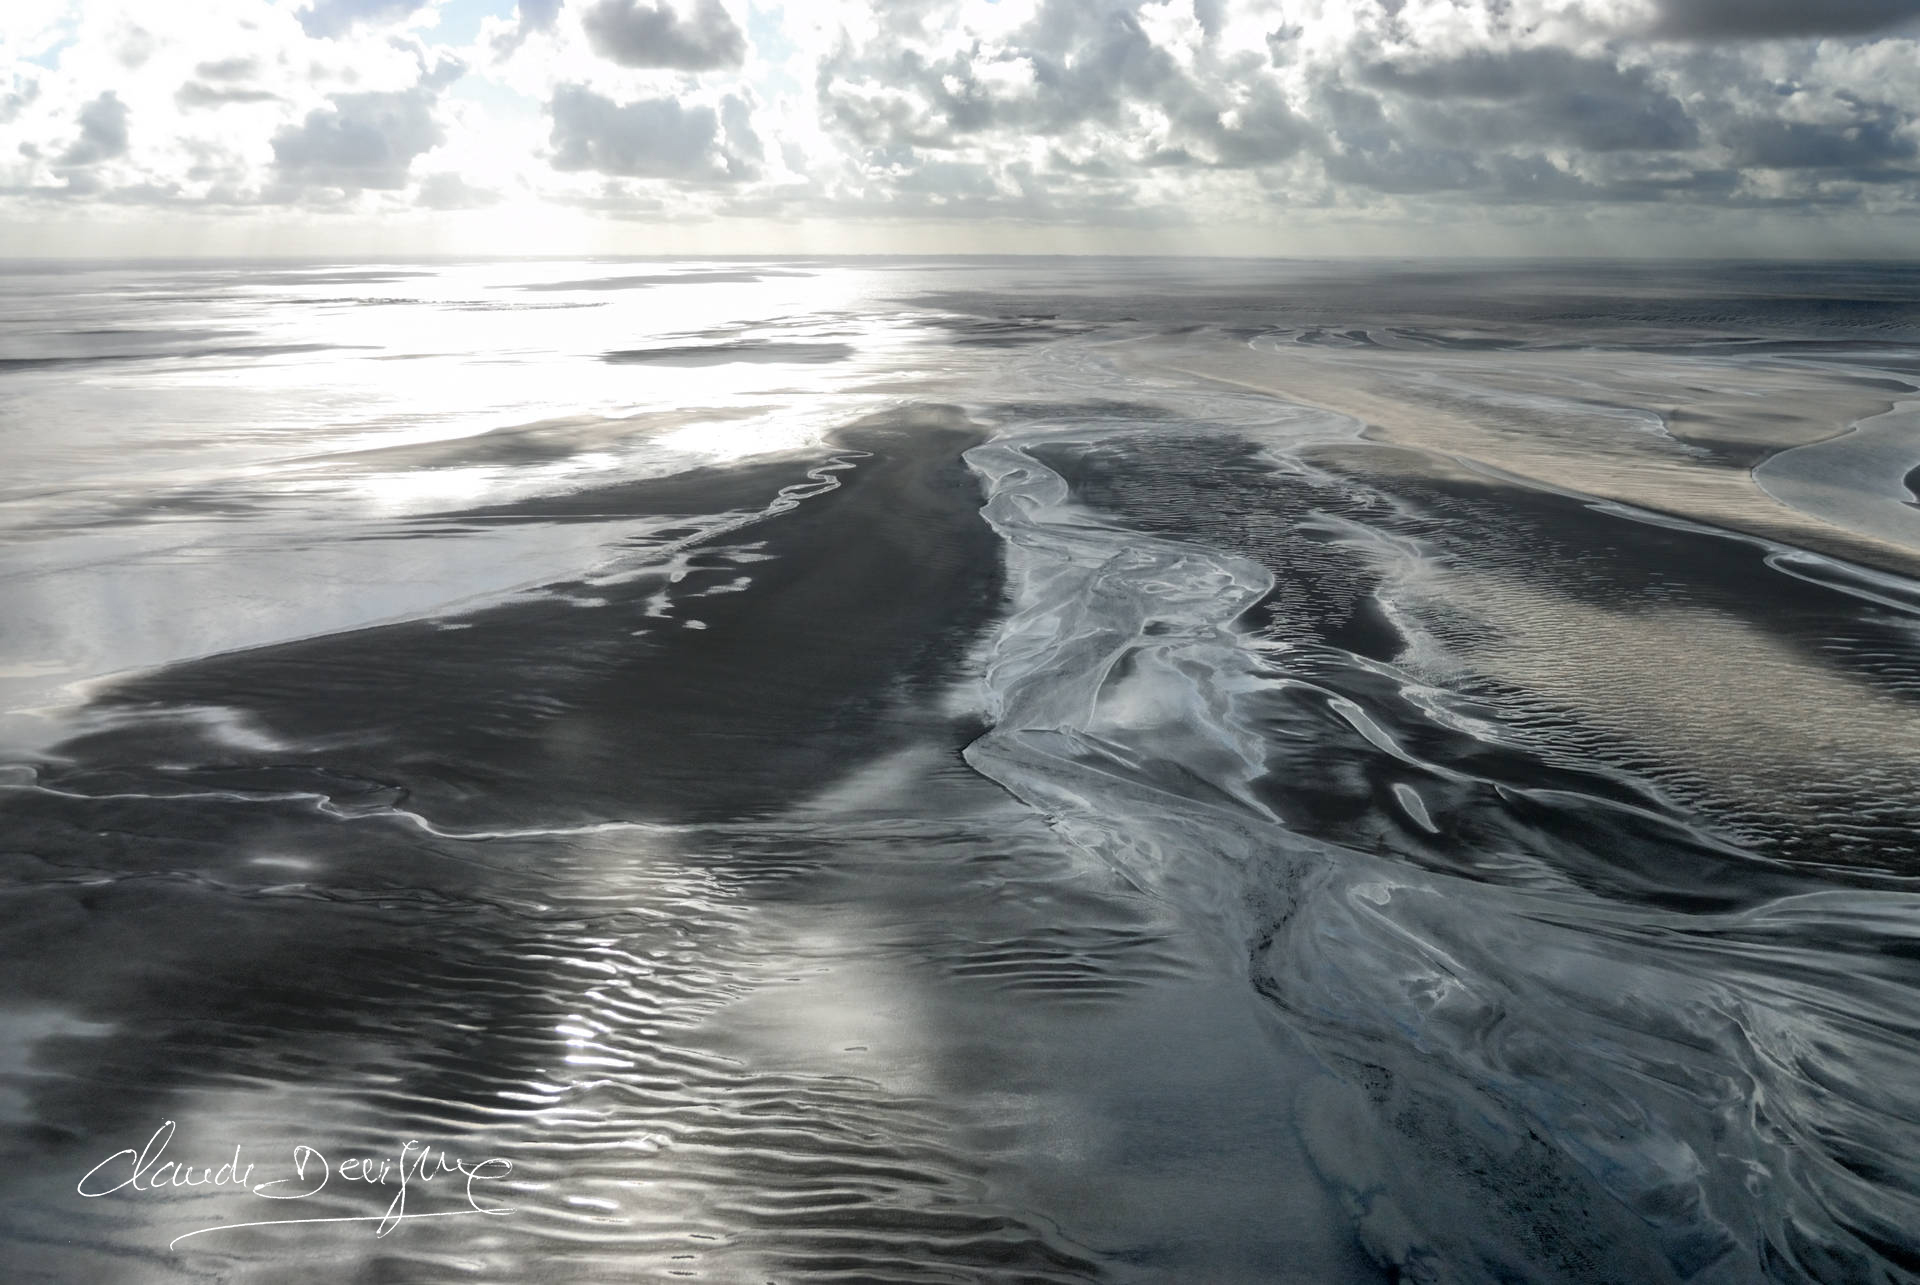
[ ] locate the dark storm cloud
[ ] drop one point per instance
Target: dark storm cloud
(1471, 127)
(1384, 164)
(649, 138)
(655, 35)
(1364, 148)
(103, 132)
(359, 141)
(1264, 131)
(1088, 64)
(1776, 19)
(1541, 95)
(328, 19)
(1869, 150)
(1404, 109)
(1546, 126)
(1500, 75)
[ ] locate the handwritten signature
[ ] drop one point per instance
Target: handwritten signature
(148, 1169)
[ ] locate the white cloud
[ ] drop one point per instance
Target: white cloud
(653, 138)
(635, 33)
(103, 132)
(1095, 115)
(357, 141)
(329, 19)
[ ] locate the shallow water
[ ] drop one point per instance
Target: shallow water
(970, 770)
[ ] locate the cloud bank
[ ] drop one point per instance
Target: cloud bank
(1097, 120)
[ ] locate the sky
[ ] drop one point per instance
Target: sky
(1726, 128)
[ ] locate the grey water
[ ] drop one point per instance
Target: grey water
(959, 769)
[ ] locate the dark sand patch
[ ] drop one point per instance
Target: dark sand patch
(9, 364)
(534, 714)
(1018, 331)
(544, 712)
(753, 350)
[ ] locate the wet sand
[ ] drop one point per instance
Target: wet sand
(827, 1032)
(1563, 427)
(779, 664)
(1266, 772)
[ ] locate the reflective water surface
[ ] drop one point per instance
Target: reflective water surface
(960, 770)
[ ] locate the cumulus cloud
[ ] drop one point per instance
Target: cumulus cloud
(635, 34)
(1076, 72)
(1073, 64)
(359, 141)
(1540, 95)
(1105, 112)
(1871, 149)
(103, 132)
(656, 138)
(531, 16)
(1261, 131)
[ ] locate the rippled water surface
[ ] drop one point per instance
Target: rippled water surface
(881, 770)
